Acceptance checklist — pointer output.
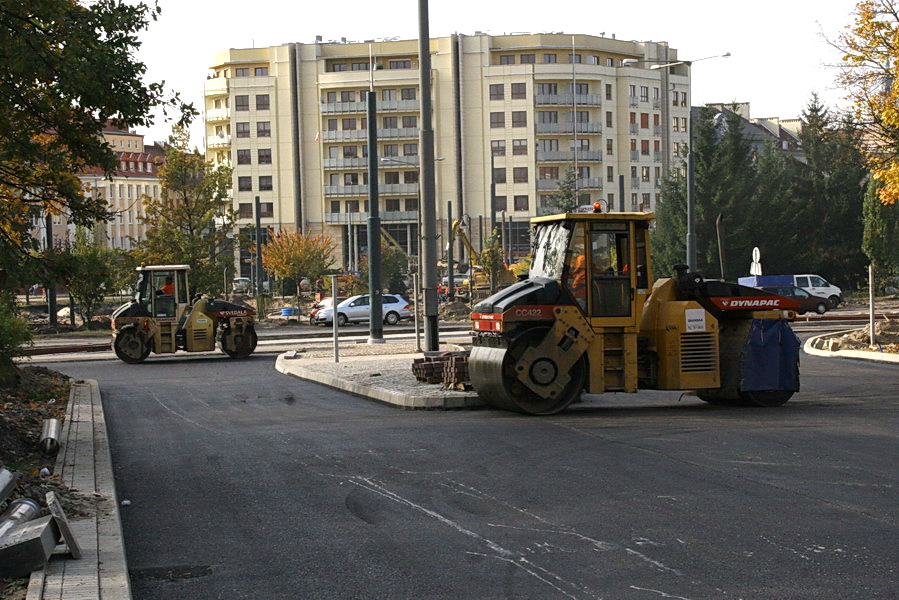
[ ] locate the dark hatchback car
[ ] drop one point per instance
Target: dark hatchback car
(805, 300)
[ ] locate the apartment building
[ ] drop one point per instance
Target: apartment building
(516, 110)
(135, 179)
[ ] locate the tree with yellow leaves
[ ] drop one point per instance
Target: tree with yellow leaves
(870, 73)
(298, 255)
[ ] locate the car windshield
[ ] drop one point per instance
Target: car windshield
(549, 250)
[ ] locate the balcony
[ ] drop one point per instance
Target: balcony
(568, 156)
(568, 100)
(346, 190)
(362, 217)
(657, 157)
(633, 128)
(567, 128)
(362, 107)
(216, 115)
(346, 163)
(347, 135)
(657, 130)
(217, 86)
(393, 189)
(589, 183)
(408, 189)
(401, 132)
(218, 141)
(635, 155)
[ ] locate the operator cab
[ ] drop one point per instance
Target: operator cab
(162, 290)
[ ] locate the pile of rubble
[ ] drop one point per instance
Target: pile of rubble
(886, 335)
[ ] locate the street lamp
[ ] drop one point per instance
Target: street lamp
(691, 198)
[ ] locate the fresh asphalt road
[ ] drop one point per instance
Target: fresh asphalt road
(245, 483)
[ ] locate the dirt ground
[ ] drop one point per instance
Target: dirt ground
(40, 394)
(886, 334)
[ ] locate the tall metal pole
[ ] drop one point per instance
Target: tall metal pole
(428, 208)
(574, 120)
(334, 318)
(51, 284)
(620, 194)
(375, 321)
(258, 260)
(492, 193)
(691, 193)
(450, 269)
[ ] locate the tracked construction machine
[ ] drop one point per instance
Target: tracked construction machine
(161, 319)
(586, 320)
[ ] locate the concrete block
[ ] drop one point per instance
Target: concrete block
(27, 547)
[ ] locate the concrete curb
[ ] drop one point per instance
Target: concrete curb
(419, 397)
(881, 357)
(84, 463)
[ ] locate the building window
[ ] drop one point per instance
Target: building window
(644, 174)
(608, 91)
(332, 124)
(390, 150)
(581, 88)
(241, 103)
(547, 116)
(351, 179)
(608, 118)
(519, 91)
(644, 120)
(550, 145)
(410, 149)
(391, 177)
(337, 67)
(644, 93)
(547, 89)
(352, 206)
(390, 123)
(242, 72)
(399, 64)
(610, 147)
(264, 156)
(348, 124)
(262, 102)
(348, 96)
(264, 129)
(582, 116)
(245, 210)
(549, 59)
(350, 151)
(499, 175)
(243, 157)
(520, 174)
(388, 94)
(528, 59)
(497, 91)
(644, 147)
(610, 174)
(410, 176)
(519, 147)
(265, 183)
(507, 59)
(245, 184)
(359, 66)
(497, 119)
(411, 204)
(266, 209)
(498, 147)
(410, 121)
(499, 203)
(335, 206)
(548, 172)
(392, 204)
(574, 58)
(519, 118)
(520, 202)
(260, 71)
(408, 93)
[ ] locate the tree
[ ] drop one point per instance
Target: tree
(92, 272)
(68, 68)
(566, 199)
(870, 74)
(192, 220)
(492, 260)
(14, 335)
(298, 255)
(394, 268)
(881, 238)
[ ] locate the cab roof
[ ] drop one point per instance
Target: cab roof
(592, 216)
(163, 268)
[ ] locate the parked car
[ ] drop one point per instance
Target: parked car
(356, 310)
(240, 285)
(811, 283)
(323, 303)
(806, 301)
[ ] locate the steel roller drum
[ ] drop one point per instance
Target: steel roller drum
(485, 369)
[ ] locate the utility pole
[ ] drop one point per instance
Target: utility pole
(51, 284)
(428, 207)
(258, 261)
(375, 321)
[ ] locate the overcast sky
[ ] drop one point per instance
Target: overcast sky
(779, 51)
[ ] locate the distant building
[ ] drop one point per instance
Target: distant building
(291, 121)
(783, 134)
(135, 179)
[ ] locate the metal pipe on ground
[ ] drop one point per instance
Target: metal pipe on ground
(19, 511)
(49, 441)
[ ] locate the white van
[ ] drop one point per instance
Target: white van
(818, 286)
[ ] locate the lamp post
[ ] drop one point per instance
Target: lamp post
(691, 197)
(428, 202)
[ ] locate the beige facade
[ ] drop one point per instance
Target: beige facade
(291, 120)
(135, 179)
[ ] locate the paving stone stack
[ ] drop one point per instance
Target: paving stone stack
(437, 367)
(455, 373)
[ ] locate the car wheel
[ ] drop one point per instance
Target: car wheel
(312, 321)
(821, 308)
(834, 301)
(341, 320)
(392, 318)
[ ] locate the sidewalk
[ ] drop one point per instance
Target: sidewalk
(84, 464)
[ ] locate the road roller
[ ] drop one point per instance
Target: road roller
(164, 318)
(587, 321)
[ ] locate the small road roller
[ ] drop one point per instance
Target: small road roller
(163, 318)
(586, 320)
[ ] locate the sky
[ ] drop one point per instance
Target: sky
(779, 50)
